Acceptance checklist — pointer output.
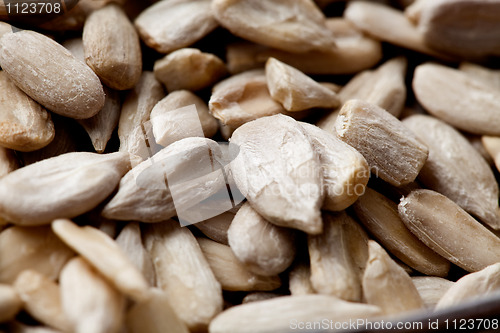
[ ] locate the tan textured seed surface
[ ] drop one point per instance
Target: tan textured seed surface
(49, 74)
(473, 285)
(299, 280)
(275, 315)
(216, 227)
(34, 248)
(40, 192)
(300, 27)
(384, 86)
(41, 298)
(24, 124)
(231, 273)
(154, 315)
(295, 90)
(192, 169)
(380, 217)
(258, 296)
(184, 274)
(352, 54)
(387, 285)
(189, 21)
(393, 152)
(189, 69)
(130, 241)
(135, 112)
(242, 98)
(492, 145)
(112, 47)
(90, 303)
(457, 98)
(333, 271)
(101, 126)
(390, 25)
(277, 170)
(345, 171)
(431, 289)
(456, 169)
(173, 118)
(262, 247)
(447, 229)
(467, 28)
(487, 75)
(10, 303)
(115, 266)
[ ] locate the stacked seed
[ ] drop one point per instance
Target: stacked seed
(329, 196)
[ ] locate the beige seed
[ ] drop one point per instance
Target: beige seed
(129, 240)
(431, 289)
(154, 315)
(34, 248)
(466, 28)
(112, 47)
(188, 22)
(10, 303)
(332, 268)
(387, 285)
(299, 280)
(449, 94)
(49, 74)
(345, 171)
(455, 169)
(41, 299)
(189, 69)
(298, 28)
(38, 193)
(191, 167)
(92, 244)
(278, 171)
(471, 286)
(242, 98)
(487, 75)
(447, 229)
(136, 111)
(184, 274)
(231, 273)
(384, 87)
(278, 314)
(380, 216)
(352, 54)
(216, 227)
(264, 248)
(89, 302)
(492, 146)
(393, 152)
(295, 90)
(24, 124)
(101, 126)
(174, 118)
(389, 24)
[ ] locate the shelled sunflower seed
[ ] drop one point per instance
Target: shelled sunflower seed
(246, 165)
